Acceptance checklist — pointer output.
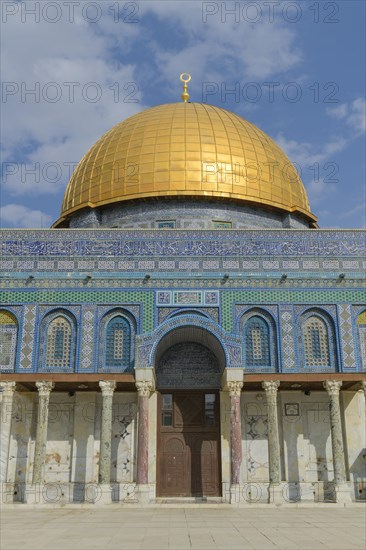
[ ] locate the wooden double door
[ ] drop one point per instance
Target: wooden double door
(188, 444)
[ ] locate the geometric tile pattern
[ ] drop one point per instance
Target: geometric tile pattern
(362, 340)
(347, 343)
(287, 335)
(27, 337)
(60, 297)
(261, 250)
(87, 337)
(283, 296)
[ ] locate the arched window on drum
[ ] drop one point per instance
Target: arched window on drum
(8, 341)
(117, 345)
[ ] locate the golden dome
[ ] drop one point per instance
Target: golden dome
(186, 150)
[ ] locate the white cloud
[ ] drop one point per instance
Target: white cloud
(357, 117)
(306, 154)
(318, 167)
(354, 114)
(40, 130)
(17, 215)
(253, 51)
(338, 112)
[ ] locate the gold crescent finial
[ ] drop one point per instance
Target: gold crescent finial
(185, 78)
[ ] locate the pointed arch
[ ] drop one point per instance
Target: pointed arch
(58, 342)
(317, 341)
(259, 335)
(117, 332)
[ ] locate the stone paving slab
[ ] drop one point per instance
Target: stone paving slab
(184, 529)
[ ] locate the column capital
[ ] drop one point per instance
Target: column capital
(270, 386)
(8, 388)
(332, 386)
(234, 388)
(44, 388)
(107, 387)
(363, 386)
(144, 387)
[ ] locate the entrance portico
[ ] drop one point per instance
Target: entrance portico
(189, 362)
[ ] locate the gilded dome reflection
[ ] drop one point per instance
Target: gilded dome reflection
(186, 150)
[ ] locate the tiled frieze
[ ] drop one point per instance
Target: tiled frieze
(331, 244)
(158, 265)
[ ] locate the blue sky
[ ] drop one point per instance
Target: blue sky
(298, 69)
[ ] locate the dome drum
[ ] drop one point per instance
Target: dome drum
(185, 213)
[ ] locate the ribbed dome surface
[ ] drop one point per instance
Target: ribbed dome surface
(185, 149)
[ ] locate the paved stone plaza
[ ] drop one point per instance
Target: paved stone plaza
(184, 528)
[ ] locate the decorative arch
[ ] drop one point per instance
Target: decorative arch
(189, 357)
(316, 341)
(259, 340)
(180, 312)
(117, 330)
(192, 323)
(229, 343)
(361, 335)
(58, 342)
(8, 340)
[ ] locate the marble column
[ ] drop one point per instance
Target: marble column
(333, 387)
(7, 394)
(271, 387)
(143, 388)
(44, 391)
(234, 388)
(107, 388)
